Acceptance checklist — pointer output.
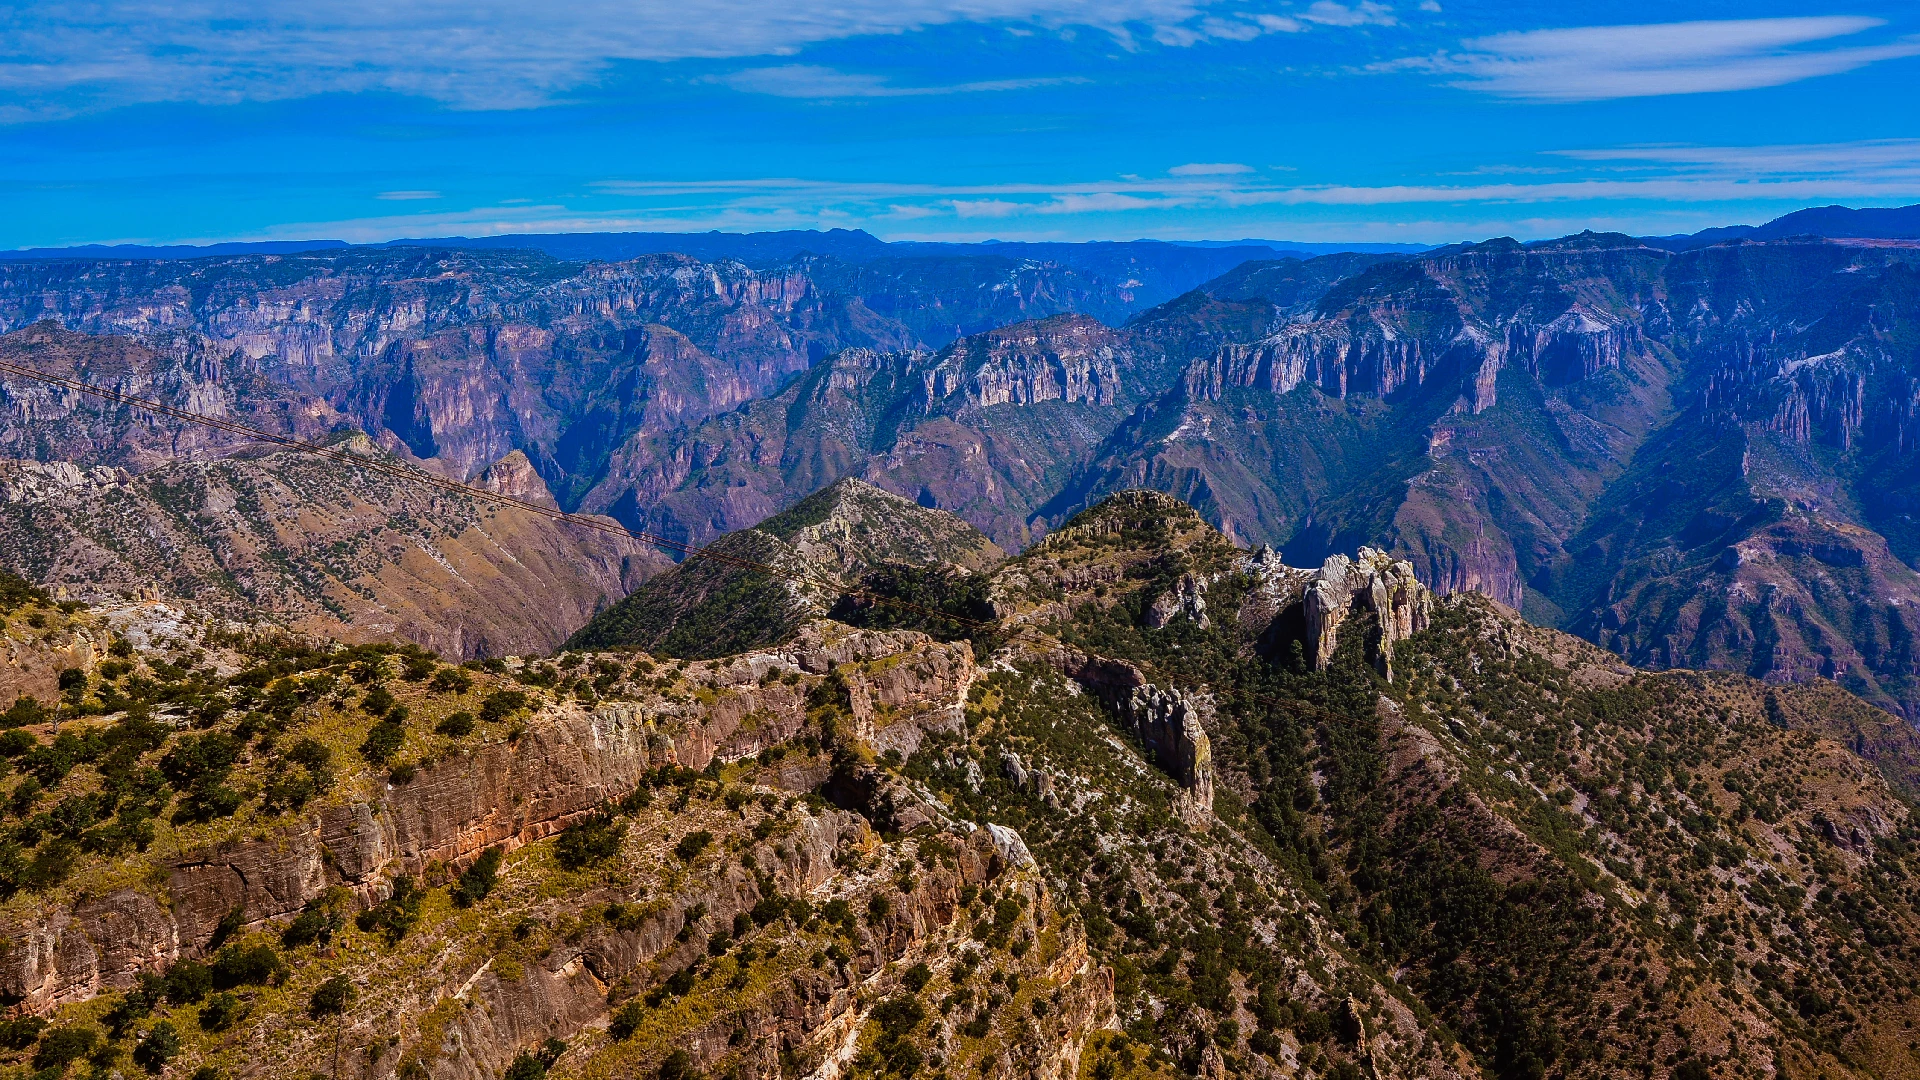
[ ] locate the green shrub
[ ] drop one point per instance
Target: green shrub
(501, 704)
(221, 1012)
(24, 711)
(188, 982)
(533, 1065)
(692, 844)
(241, 965)
(383, 739)
(316, 923)
(591, 840)
(476, 881)
(63, 1046)
(395, 915)
(311, 753)
(20, 1032)
(158, 1046)
(626, 1021)
(17, 592)
(378, 701)
(678, 1065)
(331, 998)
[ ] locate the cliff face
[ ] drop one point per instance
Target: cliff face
(1587, 430)
(106, 501)
(988, 428)
(1070, 358)
(466, 356)
(567, 952)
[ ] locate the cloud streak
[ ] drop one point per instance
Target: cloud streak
(57, 59)
(1671, 58)
(812, 82)
(1653, 183)
(1597, 63)
(1671, 175)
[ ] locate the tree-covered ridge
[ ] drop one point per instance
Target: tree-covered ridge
(1574, 869)
(871, 556)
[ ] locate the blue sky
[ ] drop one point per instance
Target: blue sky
(1318, 120)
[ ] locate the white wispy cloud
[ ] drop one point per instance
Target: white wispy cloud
(1595, 63)
(1886, 169)
(416, 195)
(1673, 188)
(1867, 159)
(810, 81)
(1206, 169)
(59, 58)
(1329, 13)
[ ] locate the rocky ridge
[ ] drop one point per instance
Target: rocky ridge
(1087, 840)
(822, 549)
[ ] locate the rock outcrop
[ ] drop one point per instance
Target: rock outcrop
(1171, 722)
(1384, 586)
(1069, 358)
(1173, 725)
(1314, 604)
(1187, 599)
(515, 477)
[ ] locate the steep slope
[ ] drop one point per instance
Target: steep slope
(1766, 528)
(1697, 458)
(490, 913)
(1572, 868)
(759, 585)
(984, 428)
(992, 427)
(1488, 394)
(109, 502)
(315, 547)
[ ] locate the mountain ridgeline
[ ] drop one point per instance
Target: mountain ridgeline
(1161, 806)
(846, 546)
(1698, 458)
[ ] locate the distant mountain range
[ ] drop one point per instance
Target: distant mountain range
(988, 735)
(1701, 456)
(856, 245)
(760, 248)
(1833, 222)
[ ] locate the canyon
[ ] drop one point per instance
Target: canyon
(1696, 455)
